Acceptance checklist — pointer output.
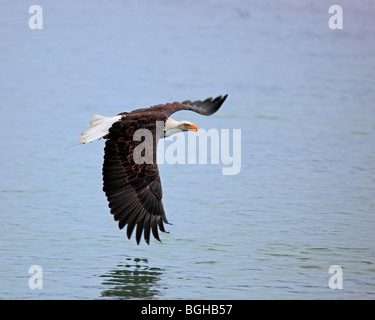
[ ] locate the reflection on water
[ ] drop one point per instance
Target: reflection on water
(133, 279)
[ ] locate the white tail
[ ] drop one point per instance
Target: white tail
(99, 128)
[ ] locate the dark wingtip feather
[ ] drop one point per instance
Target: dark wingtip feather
(211, 106)
(207, 107)
(155, 233)
(138, 233)
(154, 228)
(146, 227)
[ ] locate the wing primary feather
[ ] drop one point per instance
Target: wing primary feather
(154, 228)
(146, 227)
(132, 220)
(139, 230)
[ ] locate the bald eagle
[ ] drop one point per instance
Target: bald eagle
(133, 189)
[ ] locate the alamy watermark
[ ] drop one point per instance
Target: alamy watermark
(336, 280)
(336, 20)
(214, 147)
(36, 20)
(36, 280)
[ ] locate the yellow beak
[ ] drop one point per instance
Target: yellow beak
(193, 127)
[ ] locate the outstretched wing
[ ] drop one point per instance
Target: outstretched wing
(206, 107)
(133, 190)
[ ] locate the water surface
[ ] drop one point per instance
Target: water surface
(301, 93)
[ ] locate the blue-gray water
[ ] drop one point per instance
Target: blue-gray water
(301, 93)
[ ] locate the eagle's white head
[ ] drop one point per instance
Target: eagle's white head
(173, 126)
